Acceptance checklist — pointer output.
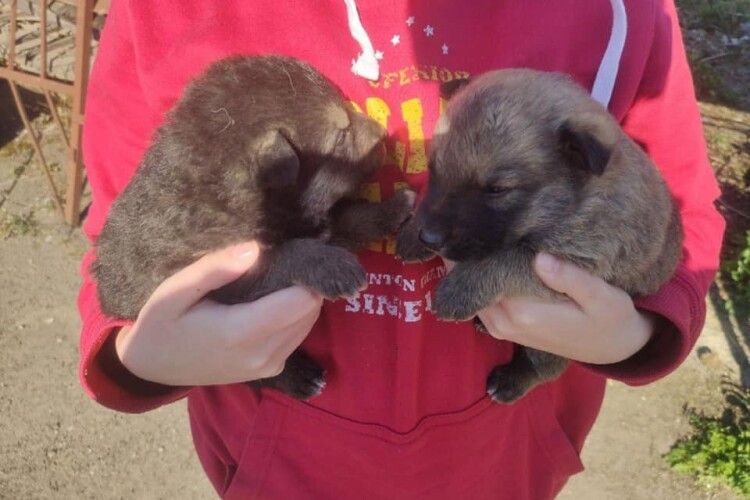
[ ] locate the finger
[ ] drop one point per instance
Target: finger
(289, 343)
(275, 312)
(585, 289)
(278, 345)
(542, 318)
(498, 322)
(188, 286)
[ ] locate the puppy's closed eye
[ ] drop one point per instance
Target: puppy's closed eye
(341, 137)
(497, 190)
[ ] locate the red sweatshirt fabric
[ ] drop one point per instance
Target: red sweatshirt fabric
(404, 413)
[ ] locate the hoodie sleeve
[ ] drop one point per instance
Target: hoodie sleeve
(664, 119)
(118, 127)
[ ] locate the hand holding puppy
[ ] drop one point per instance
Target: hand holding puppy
(180, 338)
(598, 325)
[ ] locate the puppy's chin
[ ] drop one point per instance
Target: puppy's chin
(478, 249)
(464, 252)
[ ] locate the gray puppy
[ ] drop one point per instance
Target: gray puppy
(523, 162)
(257, 148)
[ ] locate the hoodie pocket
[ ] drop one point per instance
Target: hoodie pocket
(296, 450)
(553, 441)
(249, 472)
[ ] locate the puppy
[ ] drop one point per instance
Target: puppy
(257, 148)
(524, 162)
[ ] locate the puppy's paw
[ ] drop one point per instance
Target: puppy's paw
(401, 207)
(408, 246)
(506, 385)
(337, 274)
(454, 301)
(303, 378)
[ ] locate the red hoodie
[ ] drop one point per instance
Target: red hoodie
(404, 413)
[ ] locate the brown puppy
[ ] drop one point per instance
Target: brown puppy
(258, 148)
(523, 162)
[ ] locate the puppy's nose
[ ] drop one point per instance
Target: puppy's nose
(431, 239)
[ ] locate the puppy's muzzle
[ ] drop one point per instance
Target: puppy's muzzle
(434, 240)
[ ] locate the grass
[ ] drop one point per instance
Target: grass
(19, 225)
(718, 449)
(725, 16)
(709, 86)
(735, 273)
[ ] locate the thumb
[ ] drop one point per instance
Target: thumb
(188, 286)
(578, 284)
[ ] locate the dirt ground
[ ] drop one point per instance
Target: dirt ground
(56, 443)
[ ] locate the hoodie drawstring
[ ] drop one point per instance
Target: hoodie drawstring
(366, 65)
(604, 83)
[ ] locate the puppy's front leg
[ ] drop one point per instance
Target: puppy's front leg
(476, 284)
(357, 223)
(332, 271)
(408, 246)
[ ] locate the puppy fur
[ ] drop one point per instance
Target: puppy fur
(257, 148)
(523, 162)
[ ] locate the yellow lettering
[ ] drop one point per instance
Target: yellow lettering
(378, 110)
(397, 154)
(403, 77)
(445, 75)
(411, 111)
(388, 78)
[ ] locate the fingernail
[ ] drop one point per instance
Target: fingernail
(245, 251)
(547, 263)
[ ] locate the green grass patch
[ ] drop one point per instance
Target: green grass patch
(725, 16)
(735, 273)
(718, 449)
(709, 86)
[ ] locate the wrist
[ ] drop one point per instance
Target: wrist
(638, 335)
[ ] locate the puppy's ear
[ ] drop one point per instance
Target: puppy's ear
(278, 163)
(582, 147)
(448, 89)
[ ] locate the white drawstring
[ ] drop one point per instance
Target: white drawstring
(604, 83)
(366, 65)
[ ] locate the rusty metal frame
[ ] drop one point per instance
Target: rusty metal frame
(69, 207)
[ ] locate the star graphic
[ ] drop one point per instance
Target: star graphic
(410, 21)
(378, 54)
(395, 40)
(445, 49)
(429, 30)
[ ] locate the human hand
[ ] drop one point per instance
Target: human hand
(180, 338)
(599, 324)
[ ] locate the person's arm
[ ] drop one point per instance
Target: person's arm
(116, 132)
(179, 339)
(638, 341)
(665, 121)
